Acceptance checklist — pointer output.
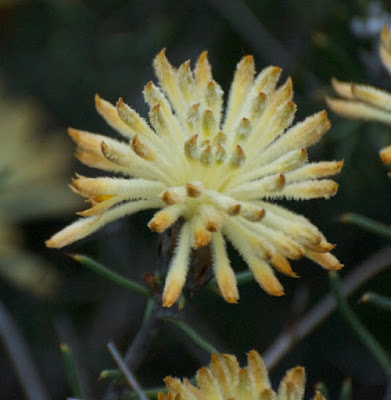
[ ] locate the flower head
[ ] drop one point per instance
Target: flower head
(364, 101)
(214, 172)
(224, 380)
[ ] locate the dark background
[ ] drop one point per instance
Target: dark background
(63, 52)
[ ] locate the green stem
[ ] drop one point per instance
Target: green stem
(148, 308)
(367, 224)
(193, 335)
(71, 371)
(102, 270)
(367, 339)
(377, 300)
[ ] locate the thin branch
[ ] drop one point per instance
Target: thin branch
(102, 270)
(126, 371)
(193, 335)
(71, 370)
(20, 357)
(366, 223)
(377, 300)
(365, 336)
(376, 263)
(139, 347)
(75, 368)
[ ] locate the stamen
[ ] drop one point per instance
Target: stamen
(220, 138)
(208, 123)
(193, 117)
(220, 154)
(206, 157)
(243, 130)
(190, 147)
(238, 157)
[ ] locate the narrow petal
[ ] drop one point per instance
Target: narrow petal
(223, 272)
(357, 110)
(103, 186)
(314, 171)
(167, 78)
(301, 135)
(344, 89)
(221, 374)
(85, 226)
(257, 372)
(240, 87)
(264, 275)
(325, 260)
(178, 268)
(202, 72)
(371, 95)
(292, 386)
(163, 219)
(109, 113)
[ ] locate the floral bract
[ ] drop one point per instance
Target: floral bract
(225, 380)
(216, 173)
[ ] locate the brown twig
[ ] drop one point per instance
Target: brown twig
(126, 371)
(20, 357)
(376, 263)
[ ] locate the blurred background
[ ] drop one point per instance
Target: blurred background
(55, 55)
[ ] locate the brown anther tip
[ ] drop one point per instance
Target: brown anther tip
(104, 147)
(167, 198)
(149, 85)
(260, 214)
(156, 108)
(193, 190)
(153, 226)
(97, 98)
(248, 59)
(211, 84)
(212, 226)
(234, 210)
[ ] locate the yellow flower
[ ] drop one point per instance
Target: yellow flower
(224, 380)
(364, 101)
(31, 186)
(215, 175)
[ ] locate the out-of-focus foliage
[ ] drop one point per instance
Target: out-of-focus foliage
(31, 185)
(62, 52)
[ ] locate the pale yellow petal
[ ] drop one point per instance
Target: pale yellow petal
(224, 274)
(357, 110)
(85, 226)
